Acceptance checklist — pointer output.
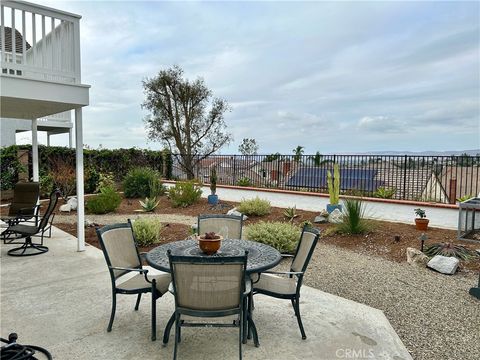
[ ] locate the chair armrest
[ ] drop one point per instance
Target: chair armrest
(284, 272)
(128, 269)
(287, 255)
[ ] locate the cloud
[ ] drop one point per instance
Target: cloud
(382, 124)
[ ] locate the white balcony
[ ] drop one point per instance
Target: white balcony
(40, 61)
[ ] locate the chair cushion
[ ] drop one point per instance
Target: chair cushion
(24, 229)
(137, 281)
(276, 284)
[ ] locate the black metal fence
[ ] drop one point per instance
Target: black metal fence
(442, 179)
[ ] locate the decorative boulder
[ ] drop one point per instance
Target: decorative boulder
(194, 228)
(235, 212)
(444, 264)
(335, 217)
(320, 219)
(416, 257)
(73, 203)
(65, 208)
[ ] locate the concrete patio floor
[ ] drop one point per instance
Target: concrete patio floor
(61, 300)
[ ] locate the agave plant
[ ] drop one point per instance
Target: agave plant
(149, 204)
(449, 249)
(290, 213)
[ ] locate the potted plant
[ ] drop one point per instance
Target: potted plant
(421, 221)
(213, 198)
(210, 242)
(334, 189)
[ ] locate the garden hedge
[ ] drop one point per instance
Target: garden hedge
(117, 161)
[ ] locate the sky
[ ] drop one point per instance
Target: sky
(334, 77)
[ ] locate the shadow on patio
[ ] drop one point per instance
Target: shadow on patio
(61, 301)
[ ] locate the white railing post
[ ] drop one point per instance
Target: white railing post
(76, 51)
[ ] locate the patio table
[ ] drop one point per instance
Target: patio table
(260, 257)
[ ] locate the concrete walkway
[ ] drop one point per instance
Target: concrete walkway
(61, 300)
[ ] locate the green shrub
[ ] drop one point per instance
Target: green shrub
(185, 193)
(147, 230)
(106, 201)
(256, 207)
(385, 193)
(353, 221)
(105, 180)
(138, 182)
(282, 236)
(91, 182)
(46, 185)
(244, 181)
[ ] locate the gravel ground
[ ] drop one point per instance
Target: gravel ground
(432, 313)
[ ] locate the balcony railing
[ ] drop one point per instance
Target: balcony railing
(38, 42)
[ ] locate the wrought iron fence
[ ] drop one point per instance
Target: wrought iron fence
(441, 179)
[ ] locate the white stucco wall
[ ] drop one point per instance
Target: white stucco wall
(439, 217)
(8, 128)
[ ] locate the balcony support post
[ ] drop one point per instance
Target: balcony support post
(48, 138)
(79, 175)
(35, 150)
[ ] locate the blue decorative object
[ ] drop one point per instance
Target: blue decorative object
(331, 207)
(213, 199)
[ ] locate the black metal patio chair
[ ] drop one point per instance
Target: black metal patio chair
(24, 207)
(123, 260)
(209, 287)
(288, 287)
(229, 226)
(29, 248)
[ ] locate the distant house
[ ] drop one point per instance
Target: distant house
(350, 179)
(451, 183)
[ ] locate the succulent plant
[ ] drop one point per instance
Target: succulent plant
(211, 236)
(290, 213)
(449, 249)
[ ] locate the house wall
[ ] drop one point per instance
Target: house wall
(441, 217)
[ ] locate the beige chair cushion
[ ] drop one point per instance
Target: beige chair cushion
(276, 284)
(134, 280)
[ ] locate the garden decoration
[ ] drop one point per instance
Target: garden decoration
(421, 221)
(210, 242)
(213, 197)
(422, 239)
(334, 189)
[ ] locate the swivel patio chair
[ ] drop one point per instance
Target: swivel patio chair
(209, 287)
(123, 261)
(24, 207)
(229, 226)
(29, 248)
(268, 283)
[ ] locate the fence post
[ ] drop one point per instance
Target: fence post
(405, 176)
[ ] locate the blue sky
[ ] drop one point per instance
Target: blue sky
(330, 76)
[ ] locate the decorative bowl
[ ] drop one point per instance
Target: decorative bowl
(209, 246)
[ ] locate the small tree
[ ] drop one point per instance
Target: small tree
(184, 117)
(248, 147)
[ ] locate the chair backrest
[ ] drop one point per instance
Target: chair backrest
(208, 283)
(25, 196)
(229, 226)
(305, 248)
(51, 207)
(119, 248)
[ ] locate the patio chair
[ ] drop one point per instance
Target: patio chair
(29, 248)
(209, 287)
(268, 283)
(126, 272)
(229, 226)
(24, 207)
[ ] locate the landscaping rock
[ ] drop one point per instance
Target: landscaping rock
(320, 219)
(235, 212)
(335, 217)
(194, 227)
(65, 208)
(73, 203)
(444, 264)
(416, 257)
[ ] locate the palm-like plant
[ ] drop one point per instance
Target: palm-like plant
(449, 249)
(353, 220)
(297, 153)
